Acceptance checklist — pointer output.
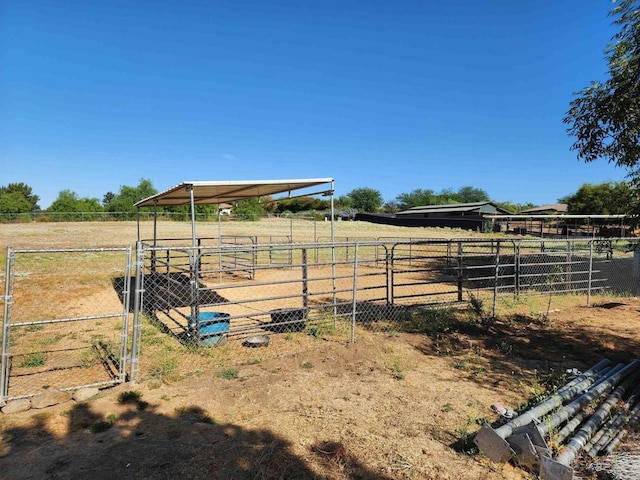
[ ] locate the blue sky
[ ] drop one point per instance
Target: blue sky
(393, 96)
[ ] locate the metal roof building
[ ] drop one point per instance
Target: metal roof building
(474, 209)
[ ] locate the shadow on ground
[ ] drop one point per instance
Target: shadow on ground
(497, 353)
(139, 442)
(162, 292)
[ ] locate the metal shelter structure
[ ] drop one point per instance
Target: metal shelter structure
(194, 193)
(175, 276)
(563, 222)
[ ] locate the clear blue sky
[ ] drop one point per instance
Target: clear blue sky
(387, 95)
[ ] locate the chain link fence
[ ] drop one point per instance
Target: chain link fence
(91, 316)
(66, 320)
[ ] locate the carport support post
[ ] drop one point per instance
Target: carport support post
(194, 320)
(333, 258)
(155, 235)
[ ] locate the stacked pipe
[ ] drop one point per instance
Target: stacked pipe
(524, 439)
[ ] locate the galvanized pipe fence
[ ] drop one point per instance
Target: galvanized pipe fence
(61, 303)
(66, 320)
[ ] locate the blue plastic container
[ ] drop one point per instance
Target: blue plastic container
(213, 328)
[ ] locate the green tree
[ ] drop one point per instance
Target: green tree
(127, 197)
(366, 199)
(249, 210)
(515, 207)
(68, 205)
(301, 204)
(601, 199)
(14, 205)
(24, 190)
(106, 199)
(343, 202)
(68, 201)
(603, 117)
(391, 207)
(469, 194)
(446, 196)
(415, 198)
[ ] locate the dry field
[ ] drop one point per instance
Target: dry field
(118, 234)
(401, 405)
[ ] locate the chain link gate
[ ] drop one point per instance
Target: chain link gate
(66, 322)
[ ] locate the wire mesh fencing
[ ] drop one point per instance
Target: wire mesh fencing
(66, 320)
(88, 317)
(209, 294)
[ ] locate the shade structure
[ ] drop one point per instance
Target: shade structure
(216, 192)
(195, 193)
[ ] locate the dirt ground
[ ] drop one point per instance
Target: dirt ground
(395, 405)
(386, 407)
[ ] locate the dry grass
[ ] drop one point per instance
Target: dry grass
(119, 234)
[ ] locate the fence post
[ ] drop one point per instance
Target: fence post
(590, 273)
(6, 323)
(137, 317)
(496, 278)
(126, 302)
(354, 306)
(390, 274)
(517, 267)
(387, 273)
(305, 280)
(459, 273)
(569, 265)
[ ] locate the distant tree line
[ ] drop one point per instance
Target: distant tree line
(18, 202)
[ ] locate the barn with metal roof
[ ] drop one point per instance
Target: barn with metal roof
(477, 210)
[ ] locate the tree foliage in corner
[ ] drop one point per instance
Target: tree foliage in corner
(605, 117)
(600, 199)
(18, 198)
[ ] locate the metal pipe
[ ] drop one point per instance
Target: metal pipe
(612, 423)
(492, 442)
(559, 468)
(126, 296)
(633, 418)
(602, 387)
(561, 396)
(609, 431)
(617, 424)
(597, 371)
(138, 305)
(570, 427)
(579, 440)
(354, 306)
(6, 326)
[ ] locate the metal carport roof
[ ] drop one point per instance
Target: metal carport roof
(216, 192)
